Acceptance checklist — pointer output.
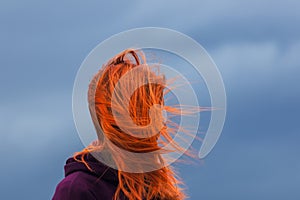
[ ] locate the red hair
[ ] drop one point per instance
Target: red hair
(161, 183)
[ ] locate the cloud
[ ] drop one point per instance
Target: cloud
(247, 171)
(257, 65)
(32, 120)
(37, 135)
(255, 44)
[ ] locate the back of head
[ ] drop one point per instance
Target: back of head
(126, 98)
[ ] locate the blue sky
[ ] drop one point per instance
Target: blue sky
(255, 44)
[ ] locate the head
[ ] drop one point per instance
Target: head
(126, 99)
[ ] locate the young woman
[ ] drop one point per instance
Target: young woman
(86, 177)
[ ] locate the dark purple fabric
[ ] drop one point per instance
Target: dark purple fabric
(82, 184)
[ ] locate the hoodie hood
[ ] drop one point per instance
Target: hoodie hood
(80, 183)
(99, 169)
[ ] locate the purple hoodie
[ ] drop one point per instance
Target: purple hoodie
(82, 184)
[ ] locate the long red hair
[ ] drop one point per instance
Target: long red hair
(161, 183)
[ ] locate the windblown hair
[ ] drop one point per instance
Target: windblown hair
(161, 183)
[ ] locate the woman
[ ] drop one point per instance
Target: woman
(118, 123)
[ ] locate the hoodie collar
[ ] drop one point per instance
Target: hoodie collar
(99, 169)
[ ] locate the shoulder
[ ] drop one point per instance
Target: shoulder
(73, 187)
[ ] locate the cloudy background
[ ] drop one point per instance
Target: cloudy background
(255, 44)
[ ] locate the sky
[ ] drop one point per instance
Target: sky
(255, 45)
